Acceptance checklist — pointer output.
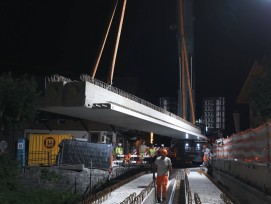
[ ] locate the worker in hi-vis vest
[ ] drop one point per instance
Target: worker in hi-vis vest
(119, 150)
(152, 151)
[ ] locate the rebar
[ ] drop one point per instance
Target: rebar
(57, 78)
(105, 194)
(129, 199)
(187, 189)
(197, 198)
(225, 199)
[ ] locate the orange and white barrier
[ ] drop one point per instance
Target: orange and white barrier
(252, 145)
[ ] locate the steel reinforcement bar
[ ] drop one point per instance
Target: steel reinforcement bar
(133, 199)
(197, 198)
(103, 195)
(225, 199)
(187, 189)
(130, 199)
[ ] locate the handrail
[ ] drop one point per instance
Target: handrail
(85, 77)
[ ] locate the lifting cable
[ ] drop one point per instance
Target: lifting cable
(94, 70)
(185, 60)
(110, 77)
(111, 72)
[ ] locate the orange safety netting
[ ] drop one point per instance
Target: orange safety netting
(252, 145)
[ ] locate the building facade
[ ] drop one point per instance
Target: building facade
(214, 115)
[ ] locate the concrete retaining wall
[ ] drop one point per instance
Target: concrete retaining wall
(254, 174)
(246, 182)
(53, 178)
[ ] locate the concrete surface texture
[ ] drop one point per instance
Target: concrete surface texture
(81, 100)
(206, 190)
(135, 186)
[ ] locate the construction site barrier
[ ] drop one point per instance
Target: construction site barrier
(252, 145)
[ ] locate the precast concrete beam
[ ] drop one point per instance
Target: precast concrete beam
(112, 106)
(54, 94)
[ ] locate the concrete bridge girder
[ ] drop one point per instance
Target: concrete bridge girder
(91, 102)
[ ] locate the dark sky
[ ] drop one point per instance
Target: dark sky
(44, 38)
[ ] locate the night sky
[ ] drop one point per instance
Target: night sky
(44, 38)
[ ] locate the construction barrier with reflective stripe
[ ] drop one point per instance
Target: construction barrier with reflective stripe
(252, 145)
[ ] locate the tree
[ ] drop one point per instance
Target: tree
(260, 91)
(17, 103)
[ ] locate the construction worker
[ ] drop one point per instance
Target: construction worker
(152, 150)
(127, 159)
(160, 148)
(119, 150)
(114, 154)
(142, 151)
(206, 155)
(163, 166)
(152, 153)
(133, 149)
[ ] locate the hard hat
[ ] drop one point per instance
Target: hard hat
(119, 144)
(163, 152)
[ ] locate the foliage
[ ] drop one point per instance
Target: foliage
(37, 196)
(260, 92)
(8, 174)
(11, 192)
(49, 175)
(17, 96)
